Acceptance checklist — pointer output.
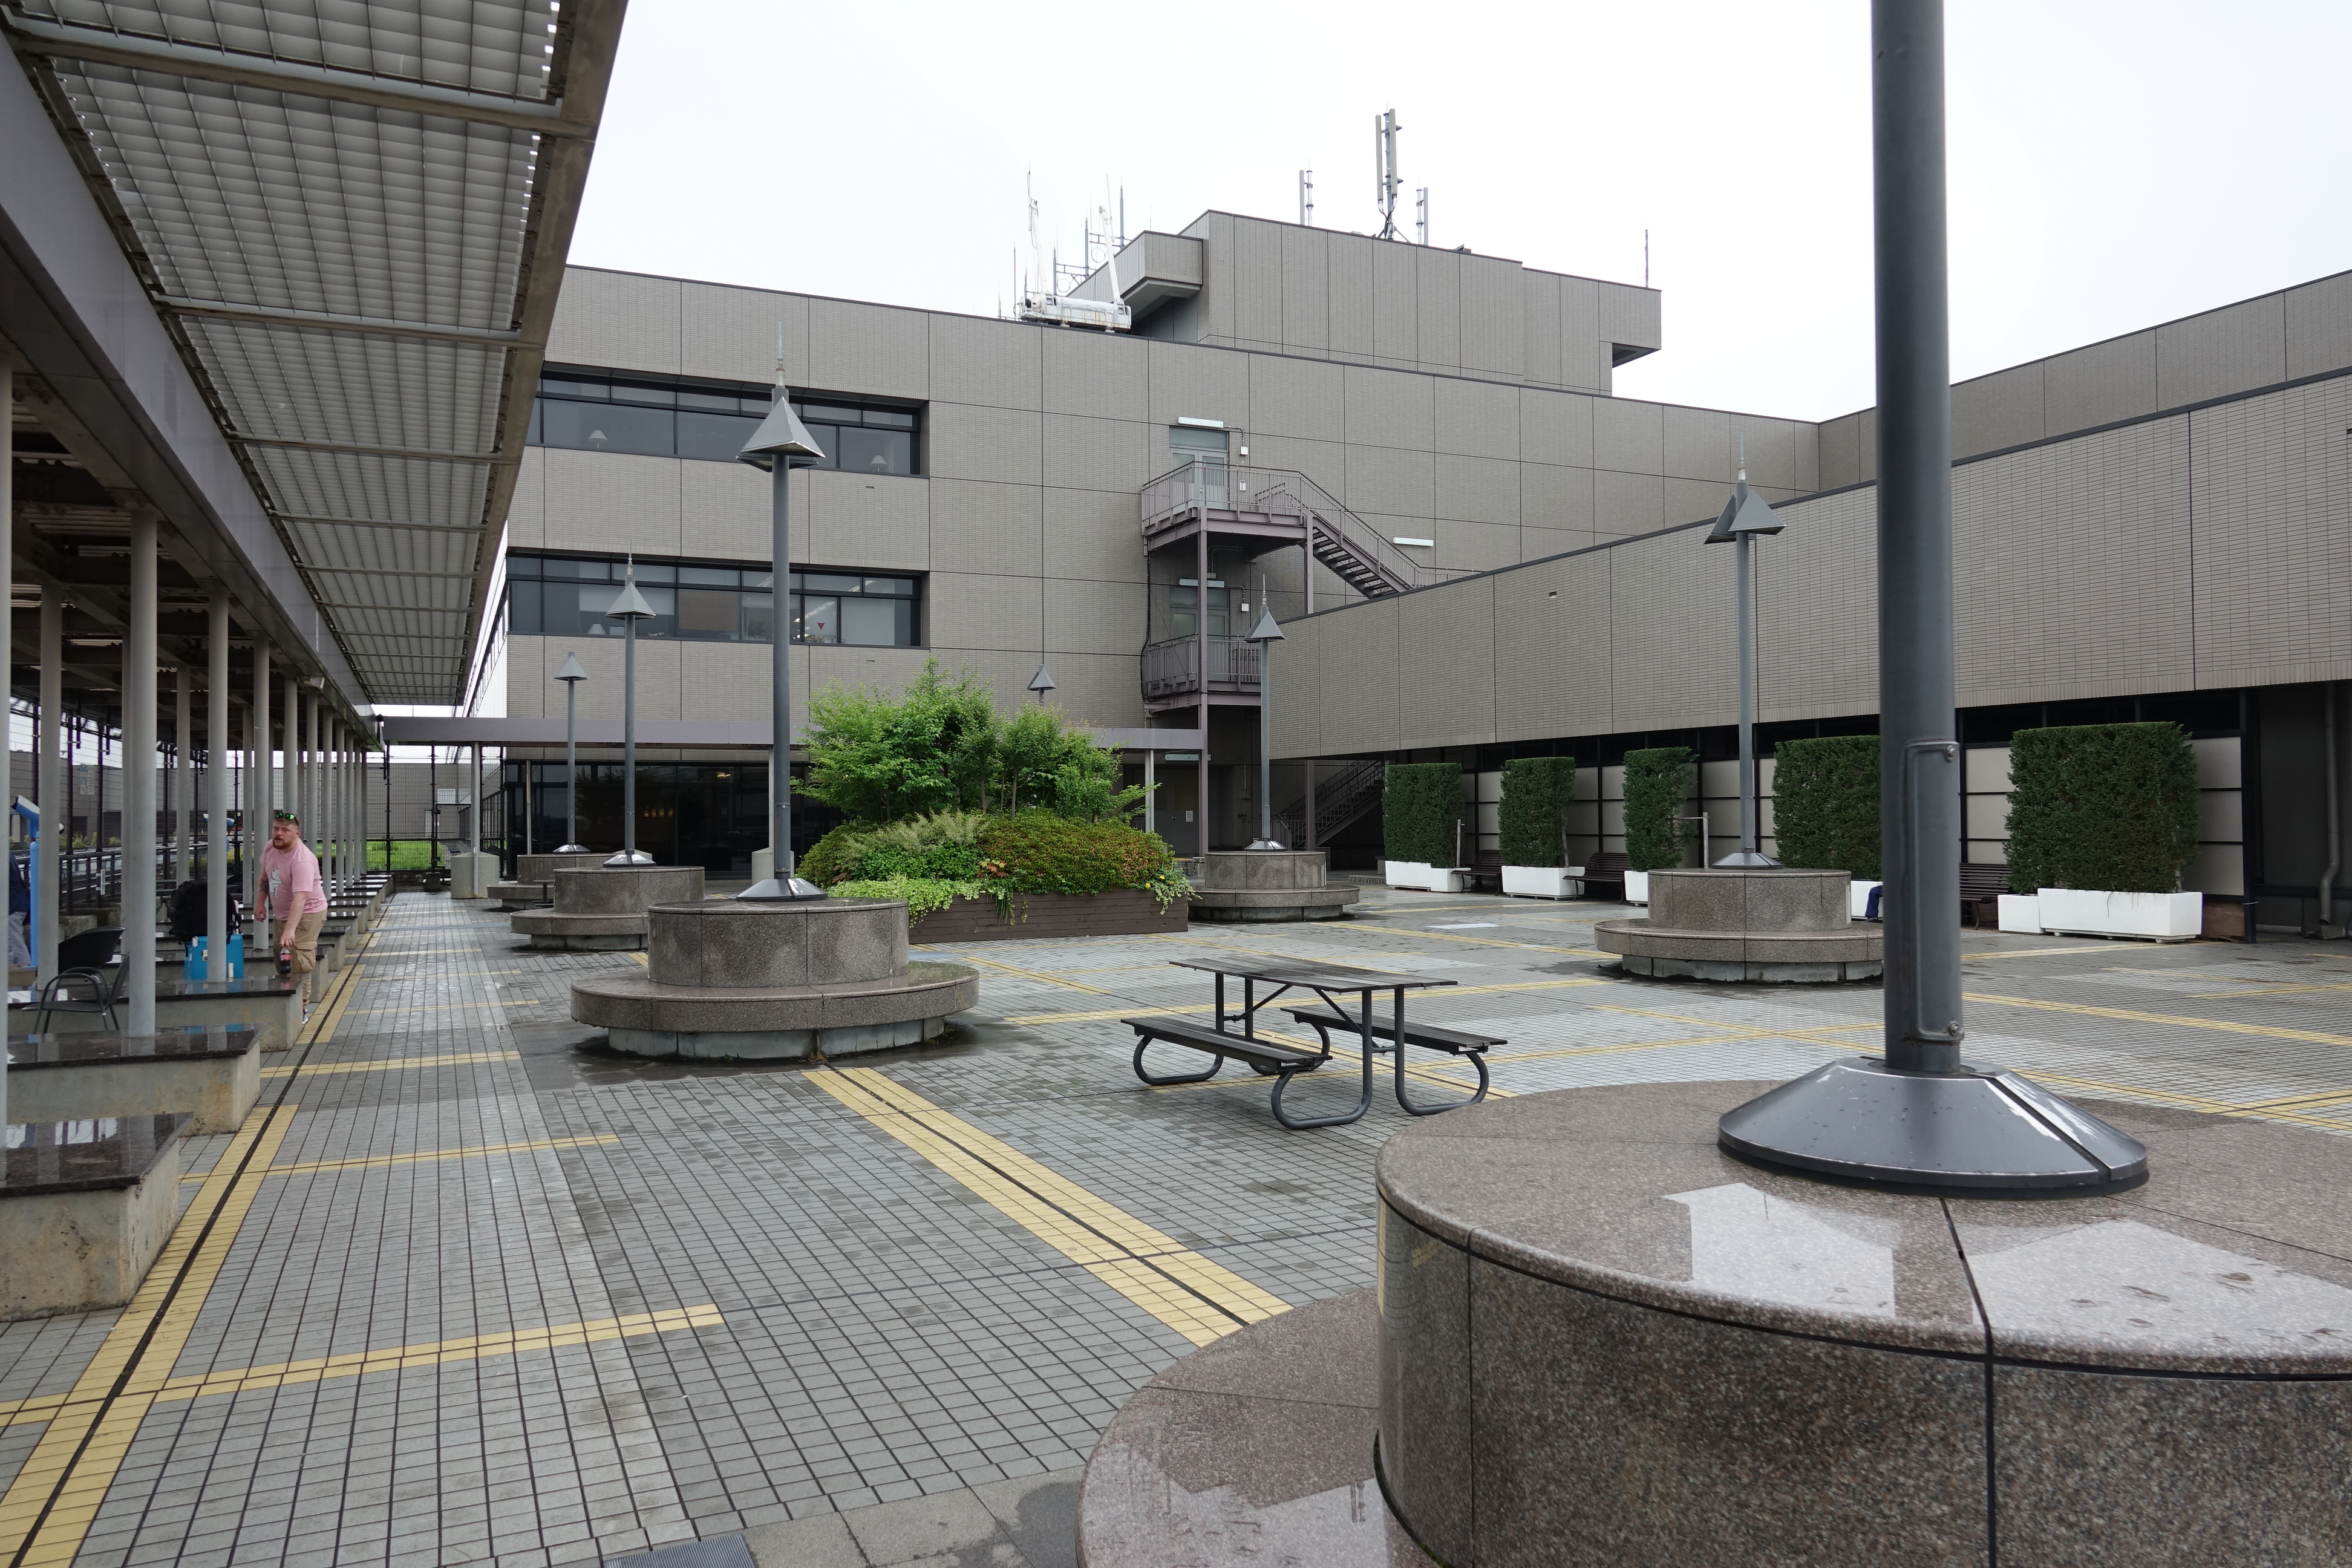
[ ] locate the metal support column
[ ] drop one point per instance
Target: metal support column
(179, 811)
(1201, 638)
(216, 754)
(260, 791)
(139, 783)
(57, 804)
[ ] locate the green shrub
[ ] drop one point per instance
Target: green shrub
(1419, 804)
(1825, 803)
(834, 855)
(1534, 815)
(921, 895)
(1657, 788)
(2112, 806)
(939, 845)
(1042, 852)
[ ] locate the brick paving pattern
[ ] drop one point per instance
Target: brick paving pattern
(638, 1304)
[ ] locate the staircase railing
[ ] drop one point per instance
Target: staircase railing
(1340, 797)
(1285, 492)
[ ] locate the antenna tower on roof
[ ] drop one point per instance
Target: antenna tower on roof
(1384, 160)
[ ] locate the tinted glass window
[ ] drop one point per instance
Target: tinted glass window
(560, 596)
(708, 421)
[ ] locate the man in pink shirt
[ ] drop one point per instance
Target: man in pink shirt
(291, 893)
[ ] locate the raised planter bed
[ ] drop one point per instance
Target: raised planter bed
(1428, 879)
(1544, 881)
(1123, 911)
(2083, 912)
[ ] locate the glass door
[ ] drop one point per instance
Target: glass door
(1208, 450)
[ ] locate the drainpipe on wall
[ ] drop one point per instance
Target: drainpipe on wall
(2327, 926)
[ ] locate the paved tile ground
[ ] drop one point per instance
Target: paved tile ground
(476, 1293)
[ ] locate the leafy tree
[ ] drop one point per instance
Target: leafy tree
(879, 756)
(1657, 787)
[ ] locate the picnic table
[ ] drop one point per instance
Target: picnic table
(1284, 1061)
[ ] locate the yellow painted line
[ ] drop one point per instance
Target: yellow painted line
(427, 1156)
(426, 953)
(640, 960)
(2226, 1025)
(332, 1014)
(443, 1352)
(1759, 1032)
(461, 1006)
(1024, 973)
(2298, 1102)
(1211, 1006)
(2262, 988)
(358, 1364)
(395, 1064)
(1972, 957)
(1200, 1299)
(47, 1508)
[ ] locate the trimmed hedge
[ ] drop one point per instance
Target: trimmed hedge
(1825, 803)
(1534, 815)
(1419, 804)
(1658, 781)
(2110, 807)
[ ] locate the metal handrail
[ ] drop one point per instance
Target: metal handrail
(1174, 665)
(1280, 492)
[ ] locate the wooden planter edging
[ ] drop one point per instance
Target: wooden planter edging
(1124, 911)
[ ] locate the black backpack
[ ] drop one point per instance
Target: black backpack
(187, 915)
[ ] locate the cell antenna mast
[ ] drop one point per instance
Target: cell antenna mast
(1384, 157)
(1307, 197)
(1421, 211)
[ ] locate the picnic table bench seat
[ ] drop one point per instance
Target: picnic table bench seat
(1428, 1037)
(1265, 1055)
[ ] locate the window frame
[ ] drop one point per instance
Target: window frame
(678, 399)
(528, 577)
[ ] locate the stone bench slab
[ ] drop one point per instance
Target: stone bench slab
(85, 1207)
(214, 1075)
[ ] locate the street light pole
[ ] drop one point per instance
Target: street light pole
(572, 675)
(1266, 634)
(629, 609)
(1744, 517)
(780, 444)
(1920, 1117)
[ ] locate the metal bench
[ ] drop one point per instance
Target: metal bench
(1606, 870)
(1428, 1037)
(1270, 1057)
(1981, 886)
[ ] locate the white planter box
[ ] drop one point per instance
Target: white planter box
(1544, 881)
(2021, 913)
(2166, 917)
(1857, 899)
(1428, 879)
(1637, 887)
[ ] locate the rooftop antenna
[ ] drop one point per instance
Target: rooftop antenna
(1422, 207)
(1646, 258)
(1036, 240)
(1306, 198)
(1384, 160)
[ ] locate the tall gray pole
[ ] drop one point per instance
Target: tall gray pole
(178, 808)
(1919, 754)
(1265, 743)
(57, 814)
(216, 754)
(629, 742)
(139, 781)
(571, 766)
(779, 680)
(1746, 588)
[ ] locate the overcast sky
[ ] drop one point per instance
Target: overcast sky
(2114, 164)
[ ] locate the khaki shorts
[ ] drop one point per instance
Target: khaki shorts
(303, 937)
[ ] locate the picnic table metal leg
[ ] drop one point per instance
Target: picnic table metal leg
(1143, 1041)
(1477, 1059)
(1364, 1100)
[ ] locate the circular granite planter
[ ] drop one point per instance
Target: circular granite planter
(1604, 1341)
(778, 982)
(1782, 924)
(1268, 885)
(602, 908)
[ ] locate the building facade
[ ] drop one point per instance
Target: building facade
(1415, 456)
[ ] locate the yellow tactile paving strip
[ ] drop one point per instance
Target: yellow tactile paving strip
(396, 1064)
(427, 1156)
(2225, 1025)
(1199, 1298)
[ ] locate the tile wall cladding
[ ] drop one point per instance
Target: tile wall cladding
(1475, 418)
(2319, 326)
(1103, 453)
(2047, 606)
(1477, 546)
(1298, 696)
(1189, 382)
(1092, 617)
(1437, 281)
(1395, 411)
(879, 350)
(723, 511)
(1627, 438)
(876, 521)
(1396, 305)
(1100, 376)
(1494, 318)
(2004, 409)
(724, 680)
(974, 611)
(1476, 489)
(1101, 688)
(966, 441)
(1305, 289)
(526, 513)
(987, 527)
(1552, 649)
(1390, 482)
(977, 361)
(1446, 660)
(1673, 654)
(625, 319)
(1817, 609)
(1838, 453)
(1555, 497)
(1306, 399)
(601, 658)
(1364, 715)
(1091, 535)
(1253, 278)
(2234, 349)
(2100, 384)
(1695, 444)
(2274, 538)
(732, 333)
(1555, 427)
(613, 501)
(1626, 503)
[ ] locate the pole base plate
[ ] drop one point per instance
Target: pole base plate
(1982, 1131)
(631, 858)
(570, 850)
(782, 891)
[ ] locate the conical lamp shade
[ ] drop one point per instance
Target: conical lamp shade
(781, 434)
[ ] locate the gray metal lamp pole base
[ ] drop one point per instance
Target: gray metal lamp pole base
(631, 858)
(1982, 1131)
(783, 891)
(1750, 859)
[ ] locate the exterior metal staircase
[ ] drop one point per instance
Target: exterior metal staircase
(1340, 797)
(1353, 549)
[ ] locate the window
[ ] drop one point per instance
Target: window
(679, 416)
(703, 601)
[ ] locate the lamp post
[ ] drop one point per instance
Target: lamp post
(1040, 683)
(1266, 634)
(1746, 516)
(1920, 1118)
(629, 609)
(572, 675)
(780, 444)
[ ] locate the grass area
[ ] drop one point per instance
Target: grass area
(407, 855)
